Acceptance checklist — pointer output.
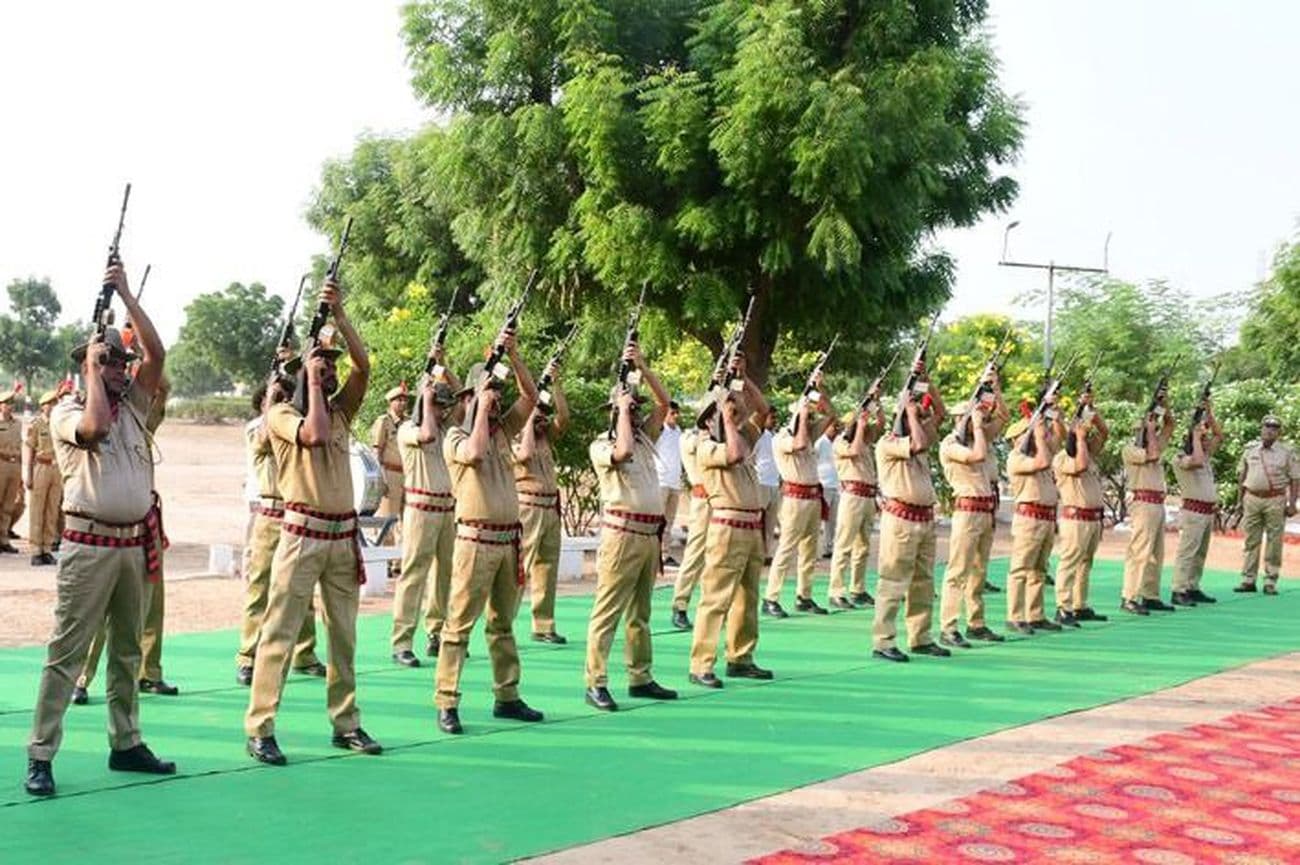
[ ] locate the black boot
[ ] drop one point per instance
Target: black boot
(40, 778)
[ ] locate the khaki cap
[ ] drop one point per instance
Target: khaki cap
(113, 338)
(1271, 420)
(398, 392)
(48, 397)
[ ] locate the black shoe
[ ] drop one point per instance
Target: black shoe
(1045, 625)
(680, 621)
(449, 721)
(954, 639)
(435, 643)
(934, 650)
(244, 676)
(40, 778)
(79, 696)
(863, 599)
(1135, 608)
(1067, 619)
(1246, 587)
(1182, 599)
(1051, 581)
(1202, 598)
(55, 546)
(651, 691)
(1270, 588)
(550, 637)
(808, 605)
(992, 589)
(1088, 614)
(599, 698)
(748, 671)
(139, 759)
(264, 749)
(1021, 628)
(774, 609)
(670, 562)
(317, 669)
(708, 680)
(7, 547)
(158, 686)
(1157, 604)
(828, 554)
(38, 560)
(48, 559)
(891, 654)
(358, 740)
(842, 603)
(406, 658)
(986, 634)
(516, 710)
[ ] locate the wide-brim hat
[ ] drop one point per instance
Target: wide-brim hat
(1017, 429)
(1271, 420)
(443, 395)
(116, 347)
(48, 397)
(472, 379)
(7, 395)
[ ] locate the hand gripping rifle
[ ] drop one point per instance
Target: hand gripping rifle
(628, 375)
(870, 397)
(913, 378)
(982, 386)
(1155, 407)
(810, 392)
(724, 379)
(433, 370)
(1028, 446)
(318, 322)
(495, 366)
(546, 384)
(1202, 408)
(284, 347)
(103, 315)
(1082, 409)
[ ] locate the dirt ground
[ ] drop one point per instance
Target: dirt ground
(200, 478)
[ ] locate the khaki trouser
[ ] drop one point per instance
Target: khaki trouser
(259, 553)
(1194, 532)
(854, 518)
(47, 499)
(626, 566)
(151, 633)
(393, 501)
(428, 539)
(800, 531)
(771, 516)
(1263, 519)
(968, 567)
(541, 550)
(482, 575)
(11, 498)
(1146, 551)
(697, 532)
(94, 584)
(906, 580)
(832, 497)
(1079, 540)
(672, 500)
(298, 566)
(729, 590)
(1031, 553)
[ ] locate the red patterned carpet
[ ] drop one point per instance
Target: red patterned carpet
(1224, 792)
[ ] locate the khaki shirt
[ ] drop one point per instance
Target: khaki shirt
(861, 468)
(904, 475)
(537, 474)
(485, 491)
(1030, 486)
(690, 445)
(632, 485)
(39, 437)
(966, 478)
(321, 477)
(1271, 468)
(257, 440)
(11, 439)
(1141, 474)
(1197, 483)
(424, 466)
(111, 480)
(1079, 487)
(795, 467)
(383, 436)
(730, 487)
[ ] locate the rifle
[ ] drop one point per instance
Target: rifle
(432, 368)
(628, 375)
(1071, 448)
(724, 379)
(1202, 406)
(1154, 407)
(810, 392)
(103, 315)
(963, 430)
(545, 396)
(909, 387)
(494, 366)
(318, 321)
(285, 345)
(144, 280)
(870, 397)
(1027, 445)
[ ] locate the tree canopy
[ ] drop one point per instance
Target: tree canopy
(35, 350)
(228, 336)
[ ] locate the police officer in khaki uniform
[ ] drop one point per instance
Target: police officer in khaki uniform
(44, 484)
(383, 436)
(1269, 478)
(539, 506)
(429, 521)
(1078, 481)
(487, 565)
(11, 470)
(318, 542)
(112, 543)
(734, 548)
(1145, 474)
(1200, 502)
(262, 539)
(855, 464)
(907, 537)
(697, 528)
(631, 540)
(1033, 528)
(802, 504)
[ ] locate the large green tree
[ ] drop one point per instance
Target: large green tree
(31, 343)
(1269, 332)
(234, 331)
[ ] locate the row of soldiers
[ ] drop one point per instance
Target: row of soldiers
(27, 464)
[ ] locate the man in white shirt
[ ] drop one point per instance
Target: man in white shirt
(830, 481)
(668, 463)
(770, 480)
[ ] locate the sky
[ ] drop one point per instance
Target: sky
(1169, 123)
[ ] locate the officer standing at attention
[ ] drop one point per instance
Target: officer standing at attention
(487, 565)
(855, 466)
(1078, 481)
(11, 470)
(907, 537)
(539, 506)
(631, 538)
(1145, 473)
(697, 529)
(318, 542)
(1200, 502)
(113, 542)
(383, 436)
(1033, 529)
(429, 523)
(1269, 478)
(44, 484)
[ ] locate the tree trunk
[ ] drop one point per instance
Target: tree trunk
(760, 339)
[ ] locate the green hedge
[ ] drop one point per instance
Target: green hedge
(210, 409)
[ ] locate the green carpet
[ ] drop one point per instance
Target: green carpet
(504, 790)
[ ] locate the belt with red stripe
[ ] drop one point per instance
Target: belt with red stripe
(148, 533)
(1150, 497)
(911, 513)
(394, 467)
(269, 507)
(44, 460)
(977, 504)
(494, 535)
(755, 524)
(541, 501)
(801, 491)
(8, 458)
(293, 522)
(655, 520)
(1197, 506)
(1082, 515)
(698, 491)
(1268, 494)
(861, 489)
(1035, 511)
(414, 494)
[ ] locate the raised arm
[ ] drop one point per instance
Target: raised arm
(475, 447)
(152, 353)
(624, 436)
(429, 414)
(314, 432)
(354, 389)
(657, 390)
